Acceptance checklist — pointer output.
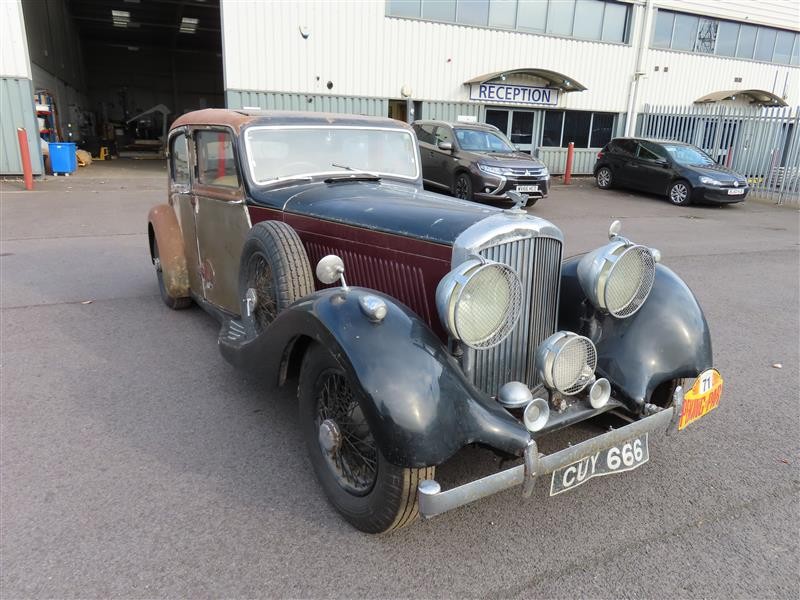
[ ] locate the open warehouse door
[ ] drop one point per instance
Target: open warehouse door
(112, 75)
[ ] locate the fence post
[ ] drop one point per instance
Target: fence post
(568, 168)
(25, 155)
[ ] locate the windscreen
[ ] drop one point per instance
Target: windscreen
(275, 153)
(688, 155)
(474, 140)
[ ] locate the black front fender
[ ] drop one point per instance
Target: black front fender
(668, 338)
(418, 404)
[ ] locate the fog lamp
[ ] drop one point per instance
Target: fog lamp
(566, 361)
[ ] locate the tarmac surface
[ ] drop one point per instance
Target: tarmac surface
(135, 462)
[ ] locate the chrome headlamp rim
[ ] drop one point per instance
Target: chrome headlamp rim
(456, 283)
(596, 269)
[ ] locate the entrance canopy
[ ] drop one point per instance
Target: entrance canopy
(554, 79)
(758, 97)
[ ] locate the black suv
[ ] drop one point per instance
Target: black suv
(681, 172)
(475, 161)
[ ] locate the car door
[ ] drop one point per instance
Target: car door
(651, 169)
(444, 163)
(426, 135)
(221, 216)
(623, 152)
(182, 201)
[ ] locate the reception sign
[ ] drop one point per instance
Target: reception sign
(516, 94)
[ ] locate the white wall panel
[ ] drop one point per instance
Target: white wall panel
(14, 60)
(778, 13)
(691, 76)
(364, 53)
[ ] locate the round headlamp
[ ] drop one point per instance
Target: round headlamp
(566, 361)
(618, 277)
(479, 302)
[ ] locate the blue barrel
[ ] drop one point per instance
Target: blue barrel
(62, 157)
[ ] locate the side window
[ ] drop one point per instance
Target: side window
(443, 135)
(179, 160)
(215, 162)
(626, 148)
(647, 153)
(425, 133)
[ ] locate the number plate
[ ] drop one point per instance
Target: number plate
(522, 189)
(617, 459)
(702, 398)
(735, 192)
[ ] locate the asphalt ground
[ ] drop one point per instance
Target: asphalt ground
(135, 462)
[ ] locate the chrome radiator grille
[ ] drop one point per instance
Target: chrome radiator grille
(537, 261)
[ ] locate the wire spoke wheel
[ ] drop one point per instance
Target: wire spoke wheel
(260, 278)
(353, 459)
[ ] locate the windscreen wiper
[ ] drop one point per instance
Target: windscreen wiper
(357, 175)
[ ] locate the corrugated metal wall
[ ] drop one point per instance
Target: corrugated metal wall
(326, 103)
(556, 160)
(16, 110)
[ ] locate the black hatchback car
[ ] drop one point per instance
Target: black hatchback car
(475, 161)
(682, 172)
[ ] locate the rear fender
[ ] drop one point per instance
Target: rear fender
(668, 338)
(163, 228)
(419, 406)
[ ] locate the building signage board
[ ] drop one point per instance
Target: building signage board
(515, 94)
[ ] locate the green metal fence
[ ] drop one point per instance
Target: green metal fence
(763, 144)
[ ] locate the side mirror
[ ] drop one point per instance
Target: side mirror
(445, 146)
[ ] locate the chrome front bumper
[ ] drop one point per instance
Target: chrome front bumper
(433, 501)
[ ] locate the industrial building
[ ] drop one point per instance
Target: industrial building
(546, 72)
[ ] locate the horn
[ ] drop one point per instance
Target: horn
(536, 414)
(599, 393)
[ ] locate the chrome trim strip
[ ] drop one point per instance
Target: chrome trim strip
(433, 501)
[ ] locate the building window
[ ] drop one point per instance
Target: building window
(606, 20)
(704, 35)
(584, 129)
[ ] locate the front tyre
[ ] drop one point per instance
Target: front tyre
(372, 494)
(604, 178)
(462, 187)
(680, 193)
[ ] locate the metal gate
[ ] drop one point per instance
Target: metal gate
(763, 144)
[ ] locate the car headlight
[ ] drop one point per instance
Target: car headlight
(566, 361)
(546, 175)
(492, 170)
(617, 278)
(479, 302)
(710, 180)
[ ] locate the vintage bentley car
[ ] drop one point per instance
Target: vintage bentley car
(432, 323)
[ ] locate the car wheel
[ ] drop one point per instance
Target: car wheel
(680, 193)
(604, 178)
(372, 494)
(171, 301)
(274, 272)
(462, 188)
